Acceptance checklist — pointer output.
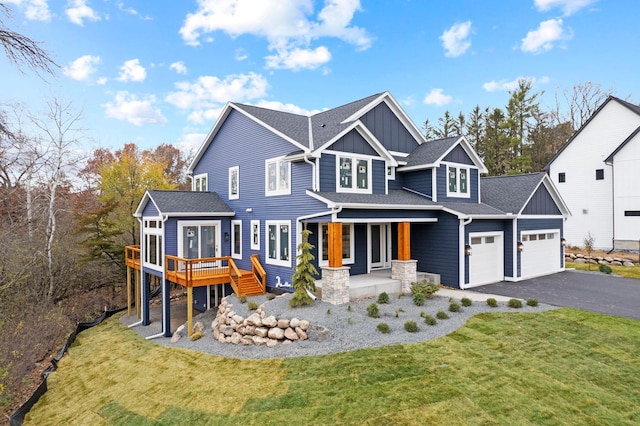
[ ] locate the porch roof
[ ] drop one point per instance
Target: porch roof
(187, 203)
(395, 199)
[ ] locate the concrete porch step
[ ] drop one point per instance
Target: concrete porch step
(370, 285)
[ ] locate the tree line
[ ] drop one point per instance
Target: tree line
(523, 136)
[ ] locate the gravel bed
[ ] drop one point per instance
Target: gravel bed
(346, 327)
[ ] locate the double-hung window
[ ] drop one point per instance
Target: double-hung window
(458, 181)
(152, 233)
(200, 182)
(234, 183)
(353, 174)
(277, 177)
(236, 239)
(278, 236)
(347, 244)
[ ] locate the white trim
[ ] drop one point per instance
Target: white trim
(459, 168)
(500, 257)
(217, 237)
(235, 223)
(534, 216)
(355, 159)
(366, 135)
(434, 185)
(199, 177)
(345, 260)
(385, 238)
(278, 244)
(277, 191)
(387, 220)
(157, 231)
(255, 235)
(234, 170)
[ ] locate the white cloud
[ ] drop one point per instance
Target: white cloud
(279, 106)
(409, 101)
(131, 70)
(288, 25)
(34, 10)
(191, 141)
(455, 40)
(82, 68)
(202, 116)
(241, 54)
(178, 67)
(297, 59)
(568, 7)
(102, 81)
(437, 97)
(210, 91)
(78, 10)
(543, 38)
(127, 107)
(509, 86)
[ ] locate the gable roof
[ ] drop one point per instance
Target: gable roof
(512, 193)
(630, 106)
(185, 203)
(430, 153)
(633, 134)
(295, 126)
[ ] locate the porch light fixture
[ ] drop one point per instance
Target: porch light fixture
(563, 242)
(467, 250)
(520, 246)
(226, 236)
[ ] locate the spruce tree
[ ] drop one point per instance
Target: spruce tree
(303, 278)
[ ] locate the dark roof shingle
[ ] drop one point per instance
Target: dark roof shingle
(176, 202)
(430, 151)
(509, 193)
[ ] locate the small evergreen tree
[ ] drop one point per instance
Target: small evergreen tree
(303, 279)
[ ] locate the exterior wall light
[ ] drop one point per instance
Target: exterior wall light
(520, 246)
(467, 250)
(226, 236)
(563, 242)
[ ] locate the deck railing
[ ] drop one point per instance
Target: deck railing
(132, 256)
(201, 271)
(259, 271)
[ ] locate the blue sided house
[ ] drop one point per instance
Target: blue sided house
(380, 201)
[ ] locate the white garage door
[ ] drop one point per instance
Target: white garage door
(541, 253)
(486, 260)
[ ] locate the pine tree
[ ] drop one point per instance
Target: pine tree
(303, 278)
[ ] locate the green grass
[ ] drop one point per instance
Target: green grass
(563, 366)
(623, 271)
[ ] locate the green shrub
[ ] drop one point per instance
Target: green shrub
(532, 302)
(242, 298)
(350, 321)
(373, 311)
(252, 306)
(383, 327)
(271, 296)
(492, 302)
(429, 320)
(442, 315)
(328, 311)
(515, 303)
(419, 298)
(423, 314)
(196, 336)
(349, 308)
(465, 301)
(383, 298)
(411, 326)
(605, 268)
(425, 287)
(454, 307)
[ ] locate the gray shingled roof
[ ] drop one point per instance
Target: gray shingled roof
(395, 197)
(430, 151)
(509, 193)
(473, 208)
(176, 202)
(294, 126)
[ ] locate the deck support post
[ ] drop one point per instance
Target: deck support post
(189, 311)
(145, 298)
(166, 308)
(128, 291)
(136, 292)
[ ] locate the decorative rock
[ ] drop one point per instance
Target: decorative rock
(304, 324)
(616, 263)
(295, 322)
(271, 343)
(247, 341)
(236, 338)
(608, 259)
(627, 263)
(318, 334)
(602, 262)
(178, 334)
(238, 319)
(221, 338)
(276, 333)
(261, 331)
(227, 330)
(290, 334)
(216, 333)
(617, 259)
(254, 319)
(198, 327)
(580, 255)
(270, 321)
(301, 333)
(580, 260)
(250, 330)
(283, 323)
(258, 341)
(286, 342)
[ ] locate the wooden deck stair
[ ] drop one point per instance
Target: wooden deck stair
(249, 285)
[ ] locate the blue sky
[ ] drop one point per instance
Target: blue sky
(160, 71)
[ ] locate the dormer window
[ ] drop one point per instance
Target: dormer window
(353, 174)
(458, 181)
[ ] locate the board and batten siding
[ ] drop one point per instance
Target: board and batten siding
(590, 201)
(378, 177)
(441, 186)
(503, 226)
(327, 170)
(436, 248)
(541, 203)
(354, 143)
(537, 224)
(458, 155)
(388, 129)
(150, 210)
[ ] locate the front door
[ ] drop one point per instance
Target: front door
(379, 246)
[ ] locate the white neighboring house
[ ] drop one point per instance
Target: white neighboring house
(597, 172)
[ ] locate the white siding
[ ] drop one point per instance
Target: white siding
(588, 199)
(626, 168)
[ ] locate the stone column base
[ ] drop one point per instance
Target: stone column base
(406, 272)
(335, 285)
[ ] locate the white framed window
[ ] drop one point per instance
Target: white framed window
(277, 177)
(236, 239)
(348, 246)
(391, 173)
(255, 235)
(458, 178)
(353, 174)
(200, 182)
(278, 242)
(153, 249)
(234, 183)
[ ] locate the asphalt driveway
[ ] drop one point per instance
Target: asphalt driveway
(591, 291)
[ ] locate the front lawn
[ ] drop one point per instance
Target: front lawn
(563, 366)
(623, 271)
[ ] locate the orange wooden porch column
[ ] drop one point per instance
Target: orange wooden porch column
(404, 241)
(335, 244)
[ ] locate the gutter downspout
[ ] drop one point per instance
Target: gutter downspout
(462, 256)
(613, 209)
(166, 299)
(314, 186)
